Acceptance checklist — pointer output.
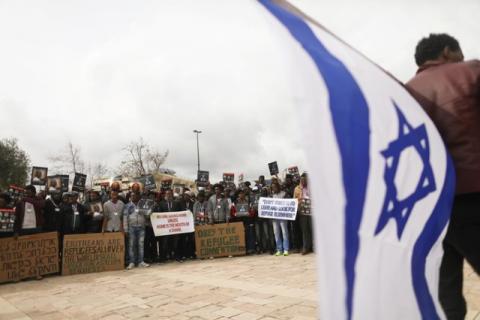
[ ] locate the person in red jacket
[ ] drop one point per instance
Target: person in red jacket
(449, 91)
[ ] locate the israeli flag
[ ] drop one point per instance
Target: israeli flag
(381, 179)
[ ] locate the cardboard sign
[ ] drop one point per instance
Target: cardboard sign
(273, 167)
(93, 252)
(228, 177)
(168, 223)
(39, 176)
(79, 182)
(28, 256)
(274, 208)
(147, 181)
(203, 178)
(7, 219)
(65, 179)
(220, 240)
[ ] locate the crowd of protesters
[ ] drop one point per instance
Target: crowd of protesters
(128, 211)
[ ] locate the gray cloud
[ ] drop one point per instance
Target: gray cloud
(104, 73)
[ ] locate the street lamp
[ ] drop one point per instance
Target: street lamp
(198, 150)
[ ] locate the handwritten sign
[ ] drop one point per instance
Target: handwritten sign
(220, 240)
(28, 256)
(273, 208)
(93, 252)
(168, 223)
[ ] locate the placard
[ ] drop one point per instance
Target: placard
(167, 184)
(7, 219)
(294, 171)
(147, 181)
(220, 240)
(274, 208)
(39, 176)
(16, 193)
(228, 177)
(305, 207)
(79, 182)
(93, 252)
(203, 178)
(273, 167)
(54, 183)
(168, 223)
(65, 181)
(28, 256)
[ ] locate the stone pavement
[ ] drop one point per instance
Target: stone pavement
(241, 288)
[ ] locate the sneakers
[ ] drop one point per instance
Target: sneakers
(285, 253)
(143, 264)
(278, 254)
(131, 266)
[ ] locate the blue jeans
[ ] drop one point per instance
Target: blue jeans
(136, 238)
(280, 229)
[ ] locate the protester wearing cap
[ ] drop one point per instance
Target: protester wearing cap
(113, 214)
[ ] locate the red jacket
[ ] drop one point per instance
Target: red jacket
(450, 94)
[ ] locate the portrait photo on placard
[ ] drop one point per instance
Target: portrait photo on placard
(54, 183)
(39, 176)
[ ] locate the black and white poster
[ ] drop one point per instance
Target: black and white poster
(147, 181)
(65, 179)
(79, 182)
(202, 178)
(273, 167)
(228, 177)
(167, 184)
(54, 183)
(39, 176)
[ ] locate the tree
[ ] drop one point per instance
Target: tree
(14, 164)
(141, 159)
(68, 160)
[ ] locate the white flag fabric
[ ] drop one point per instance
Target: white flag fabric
(382, 182)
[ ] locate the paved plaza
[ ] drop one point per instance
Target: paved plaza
(241, 288)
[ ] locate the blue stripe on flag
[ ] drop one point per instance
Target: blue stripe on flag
(350, 116)
(431, 232)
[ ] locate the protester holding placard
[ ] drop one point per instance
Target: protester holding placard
(73, 215)
(94, 209)
(53, 214)
(293, 225)
(29, 213)
(168, 244)
(263, 227)
(302, 194)
(280, 226)
(136, 222)
(186, 203)
(242, 211)
(200, 209)
(218, 207)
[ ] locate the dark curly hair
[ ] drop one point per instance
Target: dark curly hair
(430, 48)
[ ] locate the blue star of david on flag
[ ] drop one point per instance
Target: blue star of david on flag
(393, 208)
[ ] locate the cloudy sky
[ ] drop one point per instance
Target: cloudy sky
(103, 73)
